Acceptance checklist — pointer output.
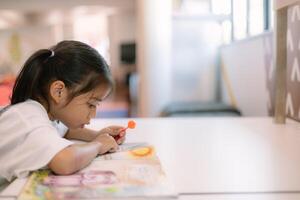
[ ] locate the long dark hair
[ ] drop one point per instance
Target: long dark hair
(78, 65)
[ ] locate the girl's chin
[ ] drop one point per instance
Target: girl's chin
(76, 126)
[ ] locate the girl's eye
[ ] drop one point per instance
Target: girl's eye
(92, 105)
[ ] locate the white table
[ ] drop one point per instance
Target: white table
(220, 158)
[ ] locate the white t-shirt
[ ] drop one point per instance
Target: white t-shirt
(28, 139)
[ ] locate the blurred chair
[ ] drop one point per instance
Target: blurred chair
(204, 109)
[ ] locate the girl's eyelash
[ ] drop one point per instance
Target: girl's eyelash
(92, 105)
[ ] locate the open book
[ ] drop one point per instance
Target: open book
(134, 172)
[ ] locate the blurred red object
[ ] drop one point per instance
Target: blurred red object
(6, 87)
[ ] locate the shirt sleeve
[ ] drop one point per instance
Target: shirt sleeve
(35, 152)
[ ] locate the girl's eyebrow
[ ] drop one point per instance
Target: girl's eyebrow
(97, 99)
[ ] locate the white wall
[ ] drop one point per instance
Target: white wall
(22, 41)
(245, 65)
(154, 51)
(121, 28)
(195, 46)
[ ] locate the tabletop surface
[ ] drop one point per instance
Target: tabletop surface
(218, 158)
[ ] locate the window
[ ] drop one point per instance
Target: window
(195, 6)
(239, 19)
(270, 14)
(221, 7)
(256, 17)
(248, 17)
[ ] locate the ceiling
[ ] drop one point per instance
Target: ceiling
(44, 5)
(14, 13)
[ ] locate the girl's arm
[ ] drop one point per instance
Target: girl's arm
(74, 158)
(88, 135)
(83, 134)
(78, 156)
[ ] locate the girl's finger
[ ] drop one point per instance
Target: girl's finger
(121, 140)
(112, 150)
(122, 133)
(107, 130)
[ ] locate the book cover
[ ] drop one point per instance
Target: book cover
(134, 172)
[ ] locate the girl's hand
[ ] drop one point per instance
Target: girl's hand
(108, 143)
(117, 132)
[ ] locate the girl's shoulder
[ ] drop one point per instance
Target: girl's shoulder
(30, 111)
(30, 106)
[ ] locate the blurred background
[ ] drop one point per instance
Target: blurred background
(170, 58)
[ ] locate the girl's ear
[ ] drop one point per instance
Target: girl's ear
(58, 91)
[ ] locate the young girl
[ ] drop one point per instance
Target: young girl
(59, 86)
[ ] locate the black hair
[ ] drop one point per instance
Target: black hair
(78, 65)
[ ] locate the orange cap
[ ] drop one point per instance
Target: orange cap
(131, 124)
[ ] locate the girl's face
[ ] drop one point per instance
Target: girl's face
(79, 111)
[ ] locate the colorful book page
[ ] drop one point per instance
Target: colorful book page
(133, 172)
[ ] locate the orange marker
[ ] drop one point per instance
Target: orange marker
(131, 124)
